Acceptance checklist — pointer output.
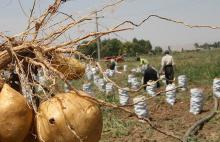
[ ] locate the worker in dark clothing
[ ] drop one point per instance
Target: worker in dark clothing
(150, 74)
(112, 65)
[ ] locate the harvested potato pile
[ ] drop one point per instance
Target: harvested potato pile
(69, 118)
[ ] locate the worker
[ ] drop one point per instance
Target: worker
(150, 73)
(143, 64)
(143, 61)
(167, 67)
(112, 64)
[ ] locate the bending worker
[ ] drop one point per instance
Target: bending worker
(167, 67)
(150, 73)
(112, 64)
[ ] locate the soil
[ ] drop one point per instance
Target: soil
(174, 119)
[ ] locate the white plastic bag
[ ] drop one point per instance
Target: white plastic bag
(133, 70)
(216, 87)
(107, 72)
(163, 78)
(108, 88)
(101, 84)
(89, 75)
(171, 94)
(125, 68)
(111, 73)
(41, 79)
(66, 88)
(87, 88)
(116, 68)
(196, 101)
(151, 88)
(135, 84)
(95, 70)
(140, 106)
(95, 79)
(130, 76)
(182, 81)
(123, 96)
(138, 70)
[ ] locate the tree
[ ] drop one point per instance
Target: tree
(128, 48)
(90, 50)
(142, 46)
(196, 45)
(112, 47)
(158, 50)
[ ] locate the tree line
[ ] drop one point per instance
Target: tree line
(115, 47)
(207, 45)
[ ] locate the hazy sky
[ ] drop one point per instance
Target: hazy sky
(159, 32)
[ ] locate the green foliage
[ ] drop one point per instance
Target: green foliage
(90, 50)
(141, 46)
(158, 50)
(114, 125)
(114, 47)
(207, 45)
(111, 47)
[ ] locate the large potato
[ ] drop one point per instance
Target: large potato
(15, 116)
(68, 117)
(70, 67)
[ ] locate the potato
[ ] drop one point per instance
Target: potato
(70, 67)
(67, 117)
(15, 115)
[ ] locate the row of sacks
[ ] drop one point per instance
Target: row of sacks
(196, 100)
(140, 106)
(102, 86)
(109, 89)
(196, 95)
(133, 81)
(182, 81)
(90, 71)
(196, 104)
(66, 117)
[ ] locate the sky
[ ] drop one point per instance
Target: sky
(159, 32)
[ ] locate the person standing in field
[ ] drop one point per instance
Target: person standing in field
(167, 67)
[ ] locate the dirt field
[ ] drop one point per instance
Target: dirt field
(200, 68)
